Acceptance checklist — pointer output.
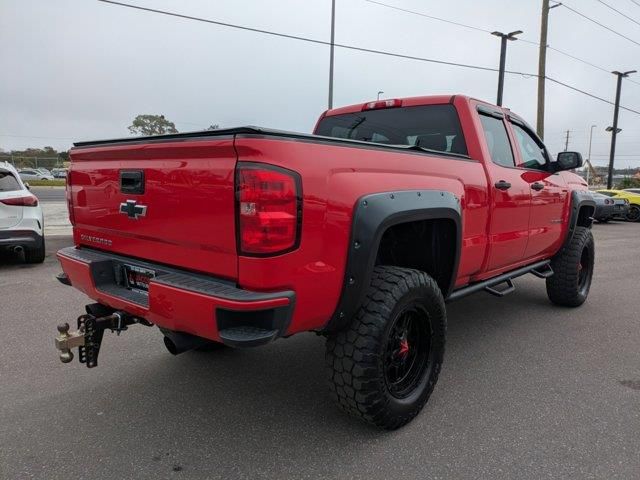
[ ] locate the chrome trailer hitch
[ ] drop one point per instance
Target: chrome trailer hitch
(88, 337)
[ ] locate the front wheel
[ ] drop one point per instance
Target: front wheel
(384, 366)
(573, 270)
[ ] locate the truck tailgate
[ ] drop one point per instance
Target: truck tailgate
(168, 202)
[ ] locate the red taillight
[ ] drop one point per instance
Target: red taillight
(382, 104)
(269, 209)
(27, 201)
(69, 199)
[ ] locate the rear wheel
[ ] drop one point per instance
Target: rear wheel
(35, 254)
(573, 270)
(384, 367)
(633, 215)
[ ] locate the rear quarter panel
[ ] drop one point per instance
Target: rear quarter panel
(334, 178)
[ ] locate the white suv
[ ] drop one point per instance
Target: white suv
(21, 220)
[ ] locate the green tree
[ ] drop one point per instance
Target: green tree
(151, 125)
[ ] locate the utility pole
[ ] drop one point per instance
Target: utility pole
(566, 141)
(542, 65)
(331, 53)
(503, 58)
(614, 128)
(589, 155)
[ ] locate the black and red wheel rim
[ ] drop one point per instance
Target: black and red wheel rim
(408, 349)
(585, 267)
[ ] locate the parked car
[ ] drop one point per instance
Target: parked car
(44, 171)
(604, 207)
(633, 199)
(59, 173)
(360, 232)
(21, 219)
(632, 190)
(33, 174)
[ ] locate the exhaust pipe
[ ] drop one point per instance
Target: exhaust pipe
(178, 342)
(18, 249)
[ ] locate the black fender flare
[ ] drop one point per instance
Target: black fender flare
(579, 200)
(372, 215)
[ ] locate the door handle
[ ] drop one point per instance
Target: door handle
(537, 186)
(502, 185)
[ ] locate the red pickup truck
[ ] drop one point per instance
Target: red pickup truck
(360, 232)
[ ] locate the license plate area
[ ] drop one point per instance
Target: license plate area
(137, 278)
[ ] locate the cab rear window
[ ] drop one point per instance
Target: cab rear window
(8, 182)
(436, 127)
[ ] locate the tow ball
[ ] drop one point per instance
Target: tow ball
(88, 337)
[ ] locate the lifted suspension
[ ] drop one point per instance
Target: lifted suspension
(88, 337)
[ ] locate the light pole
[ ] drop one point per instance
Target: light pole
(589, 155)
(380, 93)
(503, 57)
(331, 48)
(614, 129)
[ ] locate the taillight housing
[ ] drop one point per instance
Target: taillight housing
(26, 201)
(269, 209)
(67, 189)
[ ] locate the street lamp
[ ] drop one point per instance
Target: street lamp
(503, 54)
(614, 129)
(610, 129)
(331, 52)
(380, 93)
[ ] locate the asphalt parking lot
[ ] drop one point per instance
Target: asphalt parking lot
(528, 390)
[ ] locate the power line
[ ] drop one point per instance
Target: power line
(619, 12)
(600, 24)
(359, 49)
(635, 2)
(590, 94)
(312, 40)
(484, 30)
(451, 22)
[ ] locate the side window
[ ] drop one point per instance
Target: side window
(8, 182)
(495, 133)
(531, 151)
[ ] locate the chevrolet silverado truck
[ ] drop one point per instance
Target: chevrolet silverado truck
(361, 232)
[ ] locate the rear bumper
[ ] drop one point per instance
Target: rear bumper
(25, 238)
(182, 301)
(603, 211)
(620, 211)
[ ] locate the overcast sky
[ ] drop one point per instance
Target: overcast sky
(82, 69)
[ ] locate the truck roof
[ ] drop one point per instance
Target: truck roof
(413, 102)
(406, 102)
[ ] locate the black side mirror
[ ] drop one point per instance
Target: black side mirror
(568, 161)
(26, 184)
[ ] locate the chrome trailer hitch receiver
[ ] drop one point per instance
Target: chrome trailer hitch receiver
(88, 337)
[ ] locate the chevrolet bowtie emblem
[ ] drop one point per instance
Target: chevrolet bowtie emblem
(132, 210)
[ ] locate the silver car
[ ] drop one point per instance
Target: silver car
(29, 174)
